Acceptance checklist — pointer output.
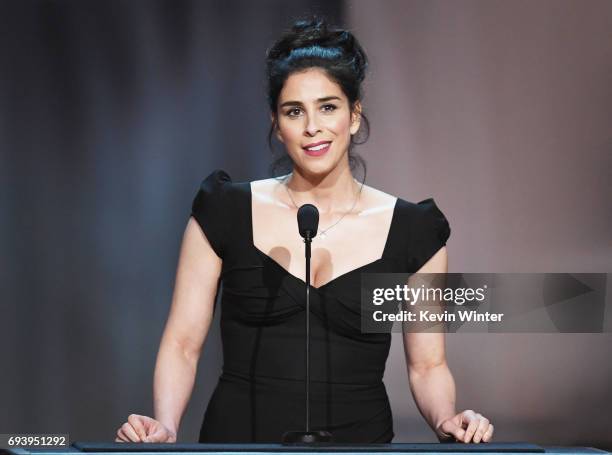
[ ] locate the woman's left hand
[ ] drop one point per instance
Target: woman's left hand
(467, 426)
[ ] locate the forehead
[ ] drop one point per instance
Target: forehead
(309, 85)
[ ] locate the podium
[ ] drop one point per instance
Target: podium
(323, 449)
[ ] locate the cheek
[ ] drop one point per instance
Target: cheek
(290, 131)
(340, 126)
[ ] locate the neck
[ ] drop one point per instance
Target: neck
(330, 193)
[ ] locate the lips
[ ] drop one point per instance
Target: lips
(317, 148)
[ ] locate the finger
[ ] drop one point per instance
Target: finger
(137, 425)
(483, 426)
(453, 429)
(148, 423)
(118, 439)
(466, 417)
(471, 429)
(129, 431)
(488, 434)
(121, 435)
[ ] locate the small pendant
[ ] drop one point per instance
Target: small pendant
(323, 235)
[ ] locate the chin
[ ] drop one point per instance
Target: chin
(318, 166)
(321, 168)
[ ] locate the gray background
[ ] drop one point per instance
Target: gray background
(112, 112)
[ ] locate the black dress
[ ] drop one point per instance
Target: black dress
(260, 393)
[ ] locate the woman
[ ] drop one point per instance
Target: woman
(246, 235)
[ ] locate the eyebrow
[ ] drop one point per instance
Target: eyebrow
(320, 100)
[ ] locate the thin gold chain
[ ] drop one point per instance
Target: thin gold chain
(322, 232)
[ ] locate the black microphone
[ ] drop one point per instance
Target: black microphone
(308, 222)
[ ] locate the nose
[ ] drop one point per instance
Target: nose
(312, 125)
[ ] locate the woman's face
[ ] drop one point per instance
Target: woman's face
(315, 122)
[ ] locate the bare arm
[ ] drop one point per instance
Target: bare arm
(188, 323)
(431, 381)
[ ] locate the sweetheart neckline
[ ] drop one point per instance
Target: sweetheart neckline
(333, 280)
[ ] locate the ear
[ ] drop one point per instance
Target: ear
(276, 129)
(356, 117)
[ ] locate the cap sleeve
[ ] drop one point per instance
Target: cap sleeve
(431, 232)
(209, 209)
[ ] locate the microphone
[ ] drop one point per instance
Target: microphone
(308, 222)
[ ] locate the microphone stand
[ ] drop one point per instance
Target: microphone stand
(308, 242)
(308, 436)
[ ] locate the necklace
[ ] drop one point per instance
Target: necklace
(322, 234)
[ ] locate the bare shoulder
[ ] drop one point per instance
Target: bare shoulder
(265, 190)
(375, 201)
(266, 183)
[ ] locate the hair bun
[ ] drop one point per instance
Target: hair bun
(314, 24)
(315, 31)
(311, 42)
(311, 31)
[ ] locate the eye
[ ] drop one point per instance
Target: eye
(292, 112)
(329, 107)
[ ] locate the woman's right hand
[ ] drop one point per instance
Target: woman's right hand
(144, 429)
